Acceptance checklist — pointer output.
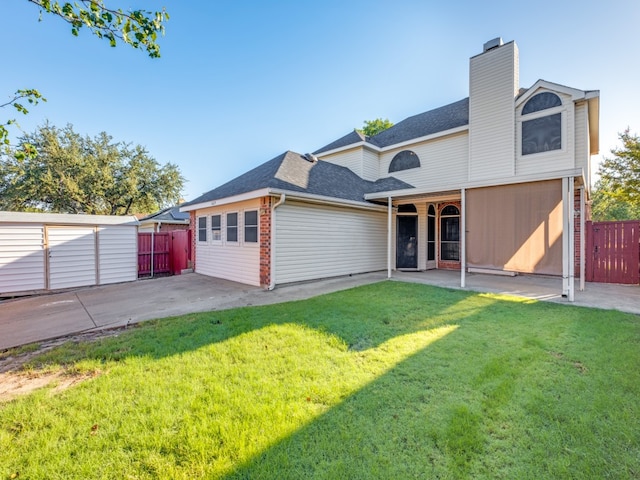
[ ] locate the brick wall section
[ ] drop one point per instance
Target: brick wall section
(192, 227)
(447, 264)
(265, 241)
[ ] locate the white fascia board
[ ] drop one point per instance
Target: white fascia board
(574, 93)
(406, 143)
(263, 192)
(322, 199)
(67, 219)
(574, 172)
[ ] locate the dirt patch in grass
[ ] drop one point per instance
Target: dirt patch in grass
(16, 380)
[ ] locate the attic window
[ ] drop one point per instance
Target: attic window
(541, 101)
(404, 160)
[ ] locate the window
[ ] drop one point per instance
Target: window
(404, 160)
(216, 227)
(431, 233)
(251, 226)
(450, 233)
(202, 229)
(232, 227)
(544, 133)
(541, 101)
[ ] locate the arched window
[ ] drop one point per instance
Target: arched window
(543, 133)
(541, 101)
(450, 233)
(404, 160)
(407, 208)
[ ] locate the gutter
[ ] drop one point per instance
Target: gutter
(272, 282)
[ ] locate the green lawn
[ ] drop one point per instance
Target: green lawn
(390, 381)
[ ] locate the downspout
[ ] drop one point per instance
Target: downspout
(272, 282)
(389, 236)
(463, 238)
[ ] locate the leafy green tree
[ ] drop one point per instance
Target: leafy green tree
(617, 193)
(137, 28)
(78, 174)
(373, 127)
(32, 96)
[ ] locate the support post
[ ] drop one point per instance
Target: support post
(389, 236)
(463, 238)
(583, 240)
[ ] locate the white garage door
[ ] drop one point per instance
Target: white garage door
(72, 256)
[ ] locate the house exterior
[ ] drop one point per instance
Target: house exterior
(166, 220)
(497, 182)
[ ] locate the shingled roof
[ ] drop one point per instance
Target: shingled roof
(169, 215)
(438, 120)
(294, 172)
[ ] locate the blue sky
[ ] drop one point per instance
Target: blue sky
(241, 82)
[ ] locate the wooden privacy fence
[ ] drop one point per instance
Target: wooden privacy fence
(613, 252)
(164, 253)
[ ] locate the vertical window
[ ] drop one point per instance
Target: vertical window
(450, 233)
(232, 227)
(431, 233)
(251, 226)
(202, 229)
(216, 227)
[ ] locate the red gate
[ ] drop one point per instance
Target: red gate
(613, 252)
(164, 253)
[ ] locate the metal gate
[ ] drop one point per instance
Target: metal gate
(613, 252)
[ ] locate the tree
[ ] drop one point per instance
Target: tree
(138, 28)
(76, 174)
(373, 127)
(617, 193)
(33, 97)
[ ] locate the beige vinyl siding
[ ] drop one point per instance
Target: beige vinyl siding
(352, 159)
(22, 261)
(235, 261)
(553, 160)
(583, 158)
(319, 241)
(72, 256)
(493, 84)
(442, 162)
(118, 254)
(370, 165)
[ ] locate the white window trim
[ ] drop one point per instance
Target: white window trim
(214, 241)
(226, 228)
(257, 242)
(564, 115)
(206, 229)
